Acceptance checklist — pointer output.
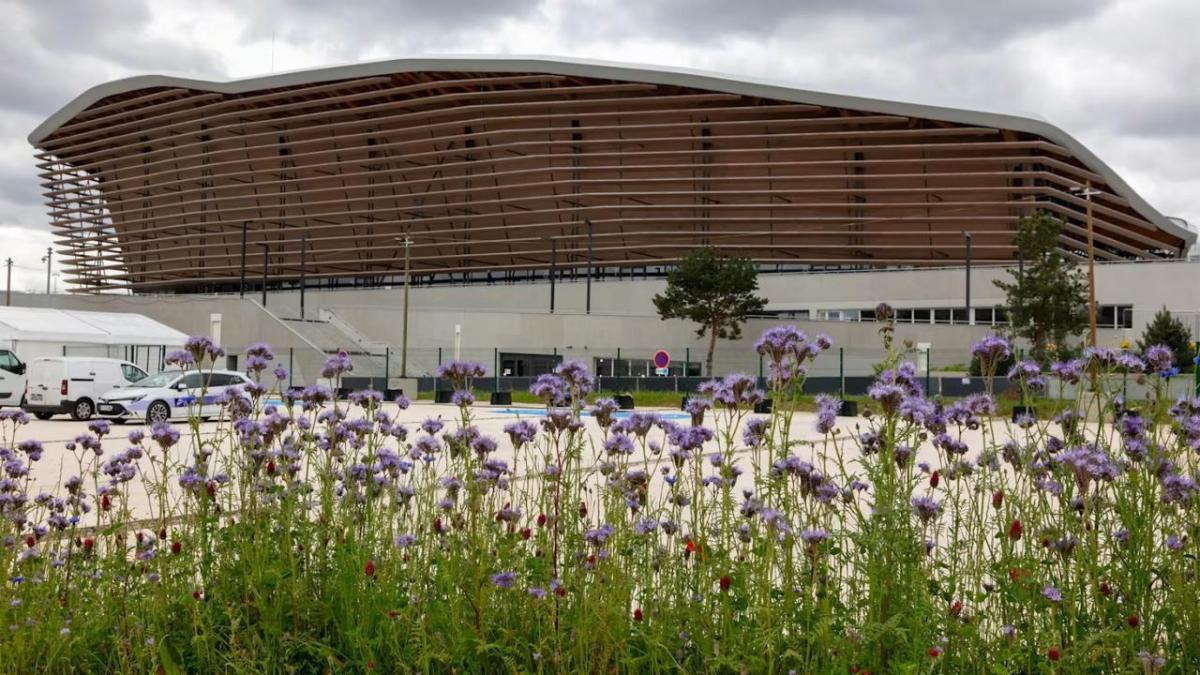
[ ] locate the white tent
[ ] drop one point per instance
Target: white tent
(74, 327)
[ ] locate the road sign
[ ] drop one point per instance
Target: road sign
(662, 371)
(662, 359)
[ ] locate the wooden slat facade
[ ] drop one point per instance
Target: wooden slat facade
(487, 172)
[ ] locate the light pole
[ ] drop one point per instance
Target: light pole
(970, 321)
(553, 269)
(266, 269)
(1088, 192)
(303, 276)
(47, 259)
(242, 282)
(407, 243)
(588, 308)
(8, 284)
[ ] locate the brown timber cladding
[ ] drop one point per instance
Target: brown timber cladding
(150, 190)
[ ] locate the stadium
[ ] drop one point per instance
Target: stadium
(530, 207)
(501, 169)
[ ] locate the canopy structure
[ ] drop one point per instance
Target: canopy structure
(490, 168)
(40, 324)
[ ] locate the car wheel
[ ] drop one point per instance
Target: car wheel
(83, 410)
(158, 412)
(43, 415)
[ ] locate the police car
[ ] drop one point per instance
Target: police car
(170, 395)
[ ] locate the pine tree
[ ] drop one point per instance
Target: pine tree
(1048, 301)
(1165, 329)
(713, 290)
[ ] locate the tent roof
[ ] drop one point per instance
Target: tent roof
(42, 324)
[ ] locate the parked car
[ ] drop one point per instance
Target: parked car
(73, 384)
(12, 379)
(170, 395)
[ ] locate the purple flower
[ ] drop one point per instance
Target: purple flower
(164, 434)
(336, 365)
(827, 412)
(619, 444)
(991, 351)
(460, 373)
(405, 540)
(602, 411)
(926, 508)
(462, 398)
(1027, 374)
(1069, 372)
(1088, 464)
(552, 389)
(504, 579)
(1052, 594)
(520, 432)
(200, 346)
(1162, 360)
(813, 537)
(578, 378)
(755, 431)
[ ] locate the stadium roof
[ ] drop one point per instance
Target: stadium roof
(733, 157)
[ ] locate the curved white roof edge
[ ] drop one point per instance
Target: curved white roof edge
(683, 77)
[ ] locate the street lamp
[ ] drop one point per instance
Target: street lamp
(266, 269)
(1087, 191)
(407, 243)
(46, 259)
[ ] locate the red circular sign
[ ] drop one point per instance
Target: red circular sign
(662, 359)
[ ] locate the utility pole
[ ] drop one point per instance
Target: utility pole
(1088, 192)
(404, 331)
(8, 284)
(47, 259)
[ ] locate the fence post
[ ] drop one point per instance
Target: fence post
(496, 368)
(291, 360)
(687, 360)
(760, 370)
(387, 367)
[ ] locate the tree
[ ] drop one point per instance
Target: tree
(1165, 329)
(713, 290)
(1048, 301)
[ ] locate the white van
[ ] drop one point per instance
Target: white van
(12, 379)
(73, 384)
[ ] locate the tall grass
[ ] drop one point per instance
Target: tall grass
(324, 536)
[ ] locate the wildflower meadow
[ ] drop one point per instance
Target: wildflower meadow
(304, 534)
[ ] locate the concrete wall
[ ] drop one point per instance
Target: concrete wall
(516, 317)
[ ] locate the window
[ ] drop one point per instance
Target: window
(1124, 316)
(959, 316)
(904, 316)
(920, 316)
(1001, 316)
(8, 361)
(985, 316)
(1106, 316)
(190, 381)
(132, 373)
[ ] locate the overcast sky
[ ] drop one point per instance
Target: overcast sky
(1123, 76)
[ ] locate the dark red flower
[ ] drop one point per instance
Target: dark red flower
(370, 664)
(369, 569)
(140, 536)
(162, 533)
(526, 533)
(561, 591)
(210, 488)
(88, 543)
(176, 547)
(541, 520)
(726, 582)
(105, 502)
(1053, 654)
(1015, 530)
(997, 499)
(270, 467)
(637, 614)
(1105, 589)
(582, 510)
(393, 614)
(956, 608)
(934, 479)
(935, 652)
(196, 595)
(30, 541)
(1133, 620)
